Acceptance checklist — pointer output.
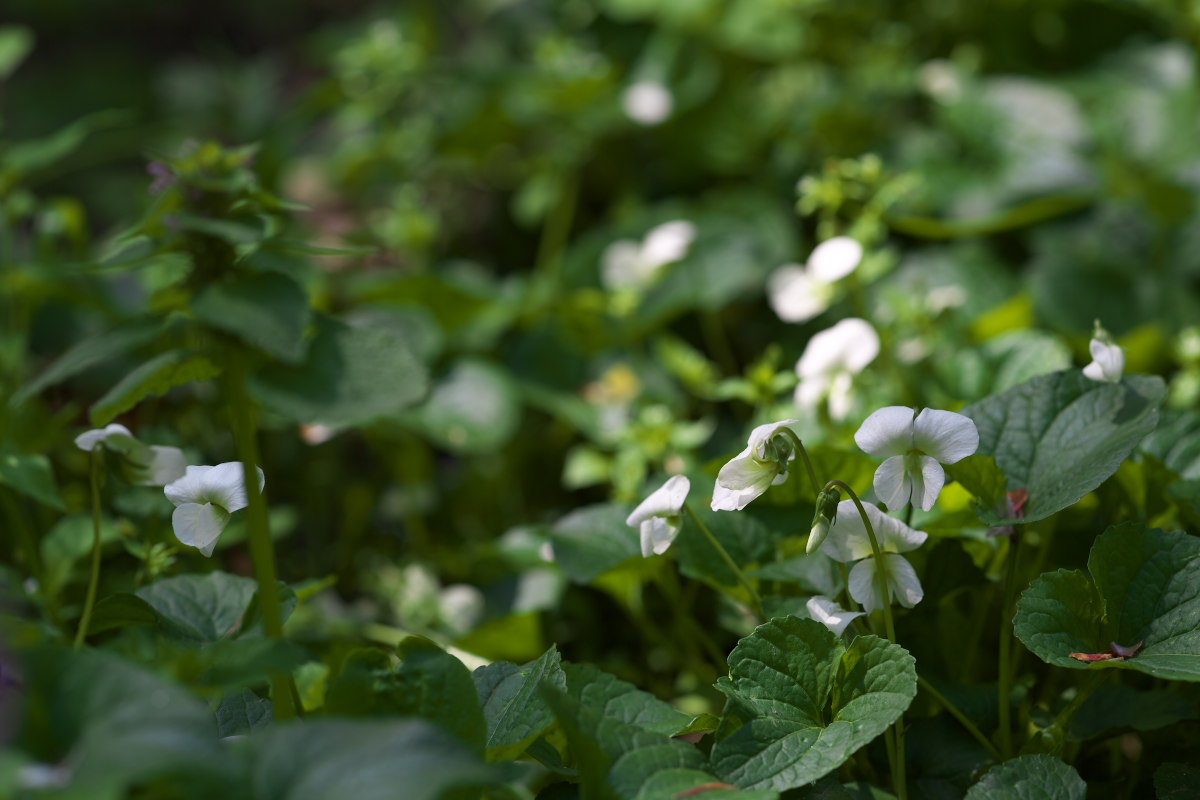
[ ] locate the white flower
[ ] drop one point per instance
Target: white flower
(143, 465)
(747, 475)
(830, 361)
(825, 611)
(647, 102)
(1108, 359)
(204, 499)
(848, 541)
(800, 293)
(913, 444)
(660, 516)
(627, 264)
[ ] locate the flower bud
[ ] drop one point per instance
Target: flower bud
(826, 511)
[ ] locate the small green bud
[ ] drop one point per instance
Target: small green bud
(826, 512)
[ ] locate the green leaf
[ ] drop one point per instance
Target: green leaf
(800, 702)
(199, 609)
(1176, 443)
(1059, 436)
(1144, 586)
(351, 376)
(364, 760)
(1176, 781)
(34, 154)
(435, 685)
(32, 476)
(88, 353)
(156, 377)
(514, 709)
(16, 42)
(746, 537)
(242, 712)
(122, 610)
(1112, 707)
(980, 476)
(266, 309)
(592, 540)
(1037, 777)
(472, 409)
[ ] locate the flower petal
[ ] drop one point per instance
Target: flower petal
(667, 243)
(658, 533)
(927, 482)
(862, 585)
(760, 436)
(1108, 362)
(795, 295)
(223, 485)
(810, 391)
(167, 464)
(887, 432)
(825, 611)
(88, 441)
(903, 583)
(894, 536)
(621, 265)
(847, 540)
(726, 499)
(666, 501)
(840, 396)
(199, 526)
(893, 484)
(189, 488)
(945, 435)
(834, 258)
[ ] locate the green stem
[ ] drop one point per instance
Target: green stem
(669, 581)
(90, 602)
(755, 600)
(963, 719)
(799, 445)
(1004, 663)
(262, 550)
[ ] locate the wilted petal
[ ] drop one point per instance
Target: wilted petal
(834, 259)
(88, 441)
(893, 484)
(795, 295)
(199, 525)
(945, 435)
(825, 611)
(189, 488)
(887, 432)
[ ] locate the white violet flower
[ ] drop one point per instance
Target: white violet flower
(204, 499)
(913, 445)
(827, 612)
(627, 264)
(800, 293)
(143, 465)
(848, 541)
(647, 102)
(1108, 359)
(660, 516)
(830, 361)
(762, 464)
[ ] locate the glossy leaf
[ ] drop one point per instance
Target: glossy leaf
(1035, 777)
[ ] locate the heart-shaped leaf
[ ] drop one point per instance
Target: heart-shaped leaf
(1030, 778)
(512, 704)
(1144, 586)
(800, 702)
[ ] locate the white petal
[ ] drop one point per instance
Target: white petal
(199, 525)
(1092, 370)
(1108, 362)
(621, 265)
(795, 295)
(848, 541)
(894, 536)
(726, 499)
(946, 436)
(825, 611)
(88, 441)
(189, 488)
(834, 259)
(666, 501)
(887, 432)
(863, 587)
(893, 485)
(927, 482)
(647, 102)
(167, 464)
(810, 392)
(760, 436)
(860, 342)
(667, 243)
(840, 396)
(658, 533)
(903, 583)
(224, 485)
(742, 480)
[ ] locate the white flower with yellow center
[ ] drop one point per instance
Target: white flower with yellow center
(913, 445)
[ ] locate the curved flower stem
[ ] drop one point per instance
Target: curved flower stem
(812, 474)
(262, 550)
(899, 781)
(1004, 662)
(963, 719)
(755, 600)
(90, 602)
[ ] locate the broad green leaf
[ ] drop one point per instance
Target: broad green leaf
(350, 376)
(1144, 586)
(1112, 707)
(591, 540)
(363, 760)
(34, 154)
(514, 709)
(472, 409)
(1176, 443)
(242, 712)
(267, 310)
(1023, 355)
(156, 377)
(16, 42)
(1059, 436)
(745, 535)
(980, 476)
(231, 663)
(1176, 781)
(88, 353)
(122, 610)
(32, 476)
(435, 685)
(199, 609)
(1035, 777)
(800, 702)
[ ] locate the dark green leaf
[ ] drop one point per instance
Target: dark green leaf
(32, 476)
(592, 540)
(1035, 777)
(88, 353)
(242, 712)
(266, 309)
(156, 377)
(199, 609)
(1112, 707)
(514, 709)
(472, 409)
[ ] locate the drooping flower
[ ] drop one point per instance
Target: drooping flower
(627, 264)
(1108, 359)
(762, 464)
(848, 541)
(647, 102)
(141, 464)
(830, 361)
(913, 445)
(660, 516)
(205, 497)
(799, 293)
(827, 612)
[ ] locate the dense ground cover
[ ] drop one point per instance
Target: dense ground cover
(648, 399)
